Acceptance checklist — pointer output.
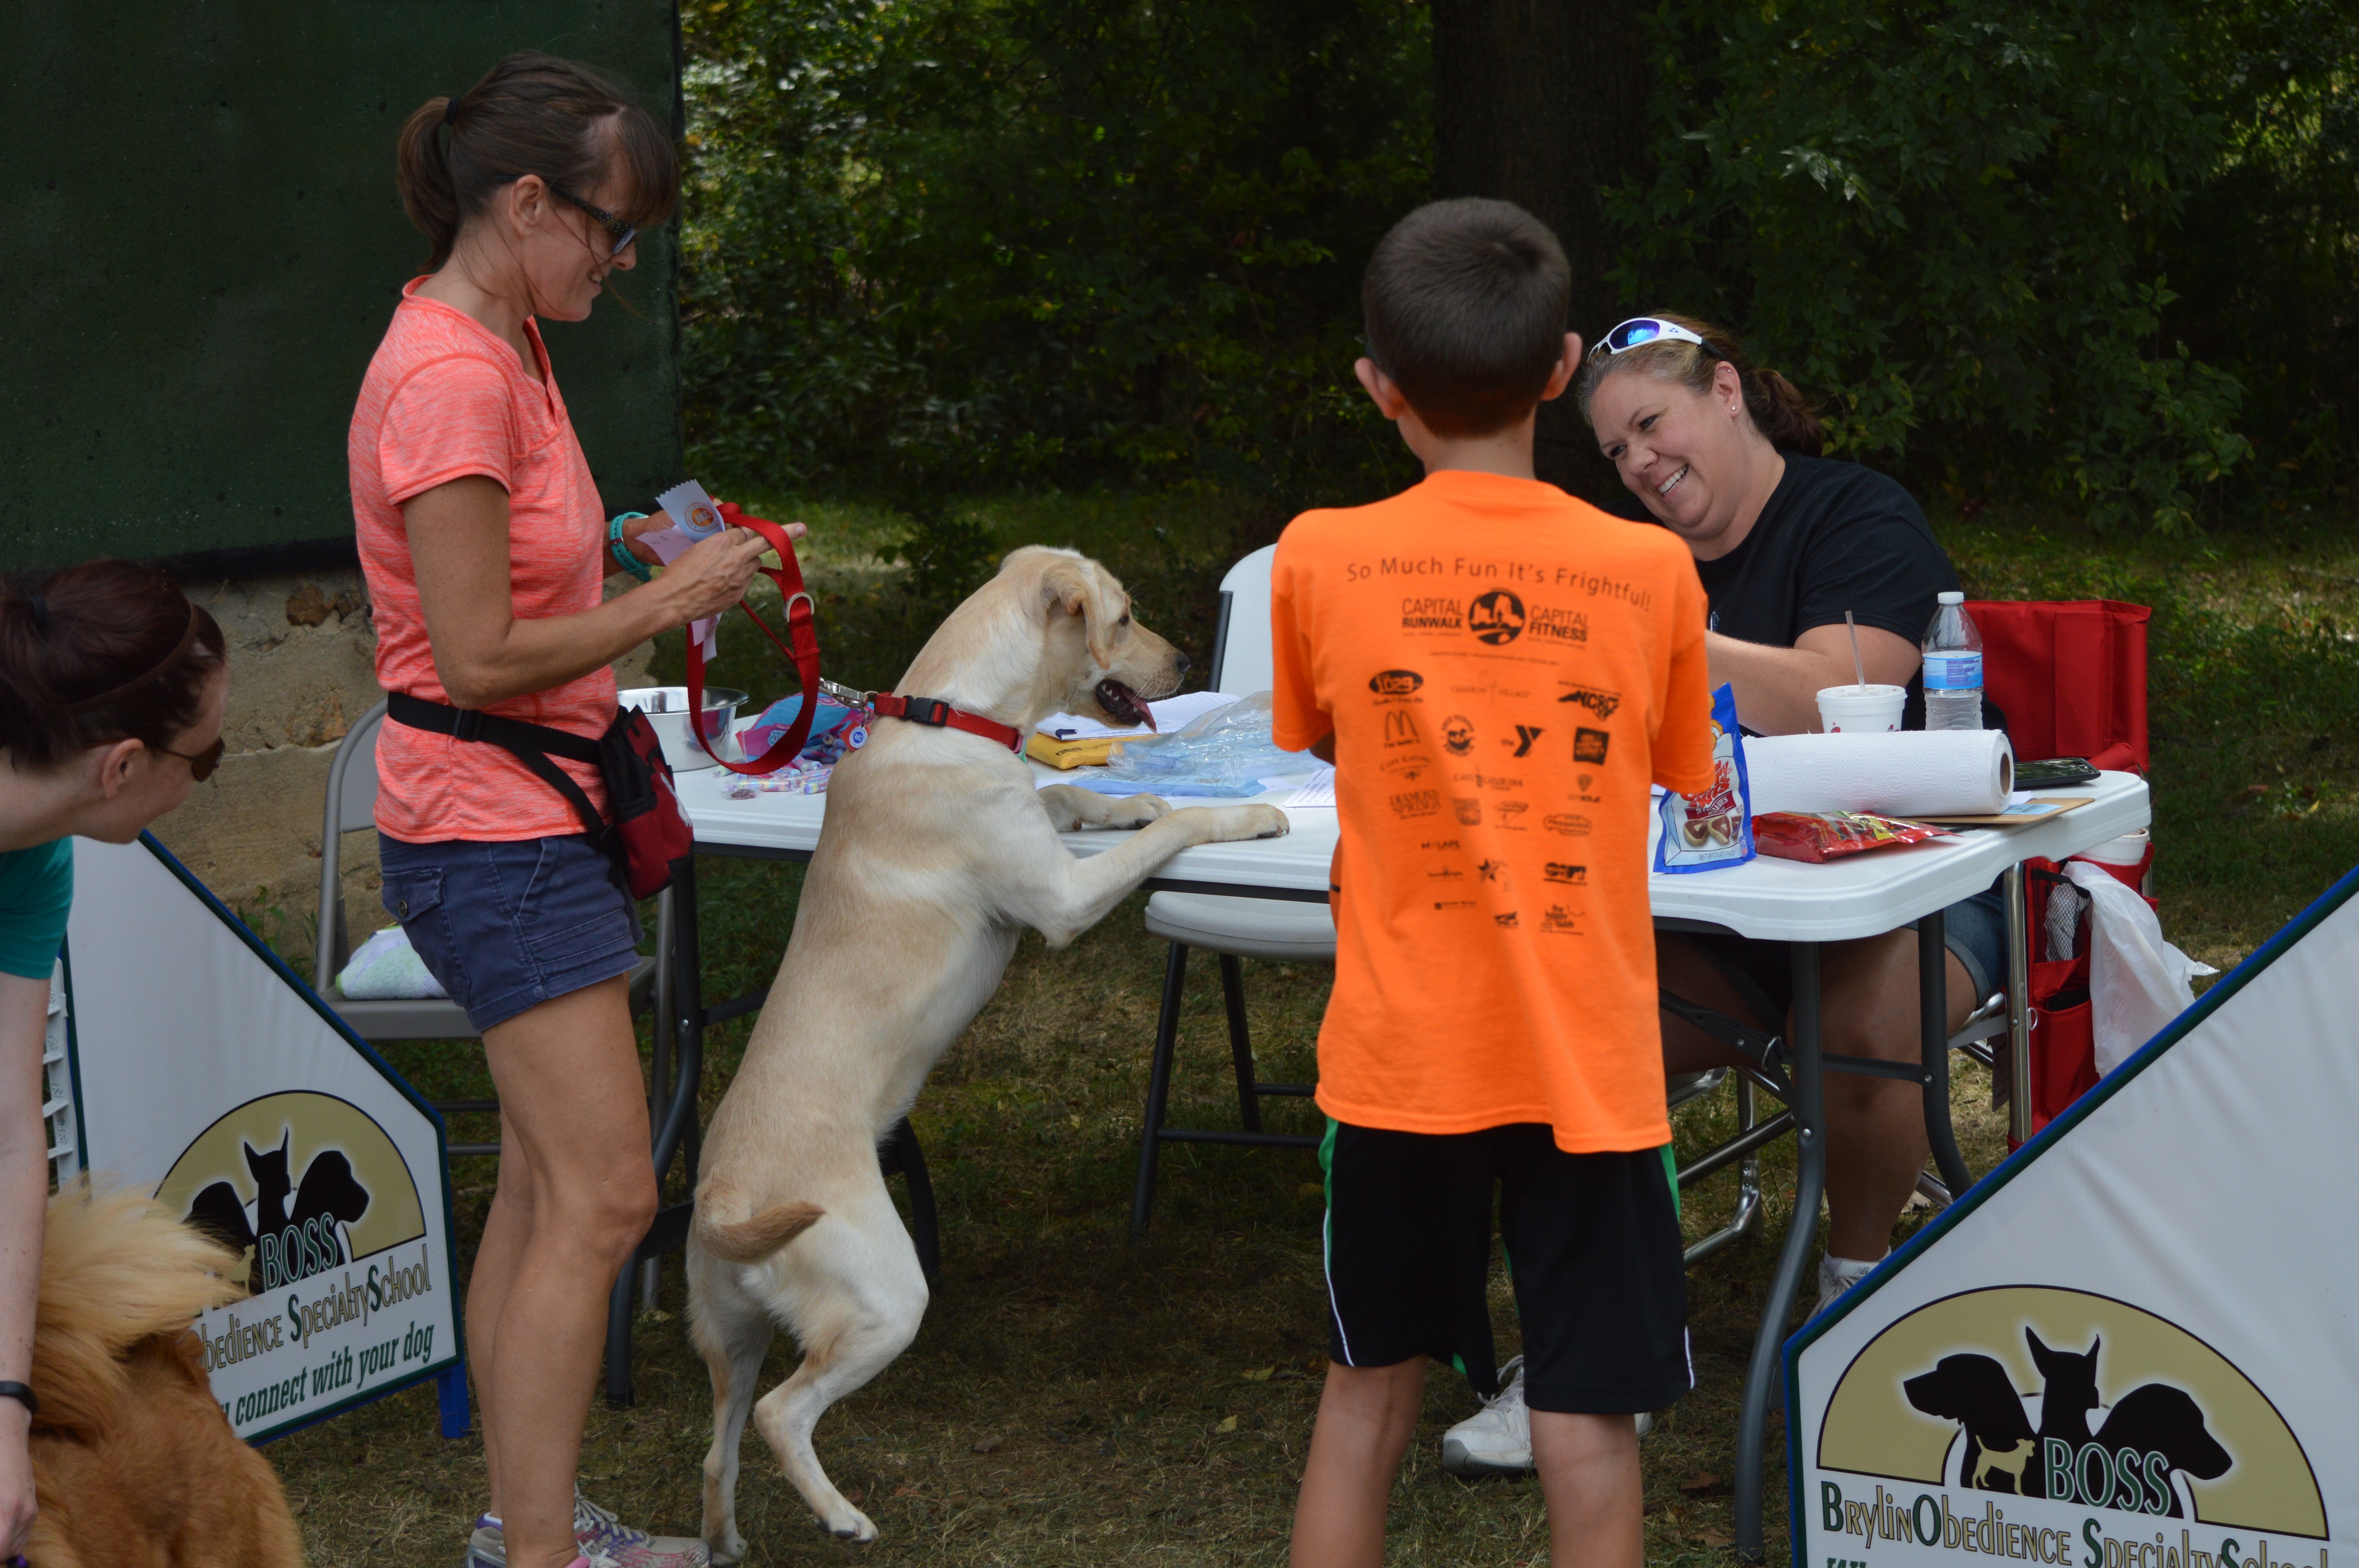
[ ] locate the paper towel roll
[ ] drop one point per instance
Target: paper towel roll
(1915, 773)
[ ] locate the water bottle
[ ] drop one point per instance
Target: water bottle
(1953, 667)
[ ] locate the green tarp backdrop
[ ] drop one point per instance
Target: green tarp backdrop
(206, 246)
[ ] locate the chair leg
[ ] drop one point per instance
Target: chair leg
(925, 1230)
(1232, 993)
(1158, 1088)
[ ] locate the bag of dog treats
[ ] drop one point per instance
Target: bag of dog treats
(1706, 832)
(1818, 836)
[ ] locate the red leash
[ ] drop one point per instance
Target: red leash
(801, 647)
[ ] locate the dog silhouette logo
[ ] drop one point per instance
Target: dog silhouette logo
(1457, 735)
(2072, 1397)
(1496, 617)
(299, 1183)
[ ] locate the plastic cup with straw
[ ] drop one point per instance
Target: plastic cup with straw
(1855, 709)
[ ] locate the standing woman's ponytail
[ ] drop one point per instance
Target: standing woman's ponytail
(422, 170)
(531, 113)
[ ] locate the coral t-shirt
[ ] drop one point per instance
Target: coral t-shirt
(1505, 670)
(444, 398)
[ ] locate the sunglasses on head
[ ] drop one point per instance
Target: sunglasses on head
(621, 232)
(1640, 331)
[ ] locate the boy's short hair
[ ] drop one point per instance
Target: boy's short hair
(1465, 303)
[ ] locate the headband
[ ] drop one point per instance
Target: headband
(187, 635)
(451, 111)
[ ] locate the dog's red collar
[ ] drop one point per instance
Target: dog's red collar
(941, 715)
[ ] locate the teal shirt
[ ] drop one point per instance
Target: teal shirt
(35, 894)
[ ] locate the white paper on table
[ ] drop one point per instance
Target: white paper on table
(1319, 789)
(1170, 713)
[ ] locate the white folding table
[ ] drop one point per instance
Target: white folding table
(1786, 901)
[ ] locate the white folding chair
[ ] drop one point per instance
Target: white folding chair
(352, 805)
(1283, 930)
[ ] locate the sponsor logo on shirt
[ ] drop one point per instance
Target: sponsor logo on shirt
(1445, 873)
(1507, 919)
(1493, 870)
(1458, 734)
(1560, 921)
(1595, 698)
(1496, 617)
(1482, 779)
(1454, 903)
(1439, 844)
(1408, 770)
(1400, 728)
(1399, 684)
(1571, 876)
(1589, 746)
(1558, 626)
(1469, 809)
(1429, 614)
(1509, 811)
(1415, 803)
(1570, 826)
(1525, 735)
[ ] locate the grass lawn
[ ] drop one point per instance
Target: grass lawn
(1073, 1398)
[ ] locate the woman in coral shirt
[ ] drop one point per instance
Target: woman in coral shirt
(485, 549)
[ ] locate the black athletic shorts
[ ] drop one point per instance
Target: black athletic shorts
(1592, 1245)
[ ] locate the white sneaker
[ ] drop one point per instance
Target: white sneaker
(1497, 1439)
(604, 1539)
(1837, 1275)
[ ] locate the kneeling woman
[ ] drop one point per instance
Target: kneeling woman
(485, 545)
(112, 690)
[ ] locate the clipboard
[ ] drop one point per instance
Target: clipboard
(2049, 806)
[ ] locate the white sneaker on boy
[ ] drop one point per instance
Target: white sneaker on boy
(1497, 1439)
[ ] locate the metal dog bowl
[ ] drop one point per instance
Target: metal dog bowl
(667, 709)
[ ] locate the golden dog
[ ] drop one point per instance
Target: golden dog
(134, 1464)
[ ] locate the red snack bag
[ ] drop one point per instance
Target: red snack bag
(1818, 836)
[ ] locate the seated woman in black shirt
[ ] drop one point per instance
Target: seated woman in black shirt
(1725, 456)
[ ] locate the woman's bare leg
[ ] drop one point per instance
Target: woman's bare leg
(573, 1106)
(1876, 1127)
(505, 1228)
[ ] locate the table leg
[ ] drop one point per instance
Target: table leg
(1809, 1183)
(686, 1023)
(2018, 1008)
(1934, 1008)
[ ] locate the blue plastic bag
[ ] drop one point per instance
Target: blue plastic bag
(1712, 830)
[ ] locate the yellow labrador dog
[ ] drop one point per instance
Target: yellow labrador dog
(937, 851)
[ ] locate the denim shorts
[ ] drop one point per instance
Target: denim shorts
(1972, 929)
(506, 925)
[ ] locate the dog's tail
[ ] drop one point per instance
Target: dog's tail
(116, 1266)
(751, 1239)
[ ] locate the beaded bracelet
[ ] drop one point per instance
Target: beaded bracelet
(622, 552)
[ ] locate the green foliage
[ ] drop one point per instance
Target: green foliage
(936, 243)
(1949, 216)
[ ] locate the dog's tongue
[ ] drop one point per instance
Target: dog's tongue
(1123, 704)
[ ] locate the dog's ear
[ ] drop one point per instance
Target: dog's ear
(1069, 588)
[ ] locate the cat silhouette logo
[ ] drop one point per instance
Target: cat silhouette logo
(1495, 617)
(299, 1183)
(2074, 1397)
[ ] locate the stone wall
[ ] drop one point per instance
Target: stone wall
(302, 668)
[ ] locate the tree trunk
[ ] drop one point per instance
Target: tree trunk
(1543, 102)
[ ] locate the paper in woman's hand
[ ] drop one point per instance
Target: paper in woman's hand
(694, 519)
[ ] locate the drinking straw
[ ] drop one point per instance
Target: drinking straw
(1859, 666)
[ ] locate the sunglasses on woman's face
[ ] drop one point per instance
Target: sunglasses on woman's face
(1640, 331)
(621, 233)
(201, 764)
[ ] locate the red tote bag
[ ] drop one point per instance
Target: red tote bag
(2071, 676)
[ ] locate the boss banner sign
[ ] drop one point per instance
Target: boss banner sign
(2136, 1344)
(205, 1073)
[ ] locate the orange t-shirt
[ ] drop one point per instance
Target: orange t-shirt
(1505, 670)
(445, 397)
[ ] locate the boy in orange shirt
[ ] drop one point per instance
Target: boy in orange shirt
(1499, 672)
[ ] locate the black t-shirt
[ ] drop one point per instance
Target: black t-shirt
(1834, 536)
